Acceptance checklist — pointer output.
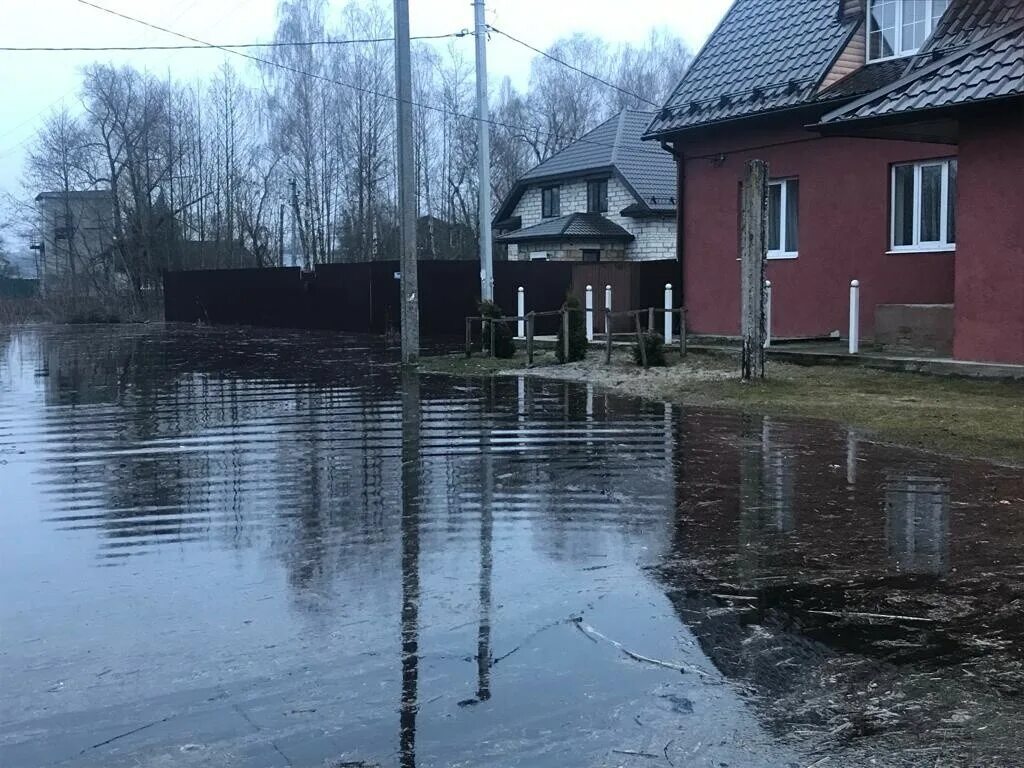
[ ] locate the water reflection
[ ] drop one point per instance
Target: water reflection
(299, 497)
(917, 523)
(411, 418)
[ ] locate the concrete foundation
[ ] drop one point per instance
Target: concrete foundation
(915, 328)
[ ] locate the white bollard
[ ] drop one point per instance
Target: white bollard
(855, 317)
(608, 307)
(767, 313)
(590, 313)
(668, 313)
(521, 323)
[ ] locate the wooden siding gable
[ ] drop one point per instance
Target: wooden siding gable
(852, 58)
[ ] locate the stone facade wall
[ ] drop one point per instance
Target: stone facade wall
(563, 251)
(655, 238)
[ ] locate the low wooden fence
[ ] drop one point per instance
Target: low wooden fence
(488, 327)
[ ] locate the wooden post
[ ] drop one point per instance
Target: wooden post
(753, 245)
(650, 319)
(492, 324)
(608, 337)
(529, 338)
(640, 339)
(565, 334)
(469, 337)
(682, 332)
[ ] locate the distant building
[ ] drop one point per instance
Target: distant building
(76, 231)
(606, 197)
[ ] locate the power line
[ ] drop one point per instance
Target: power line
(574, 68)
(221, 46)
(332, 81)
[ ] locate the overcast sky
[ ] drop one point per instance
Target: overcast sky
(36, 83)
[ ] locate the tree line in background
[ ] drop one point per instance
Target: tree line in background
(280, 156)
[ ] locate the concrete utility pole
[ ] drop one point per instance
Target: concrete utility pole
(483, 115)
(406, 188)
(295, 227)
(753, 245)
(280, 236)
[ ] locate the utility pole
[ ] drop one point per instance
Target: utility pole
(483, 119)
(406, 188)
(280, 236)
(306, 265)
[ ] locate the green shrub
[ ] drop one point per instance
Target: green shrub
(577, 333)
(504, 338)
(655, 346)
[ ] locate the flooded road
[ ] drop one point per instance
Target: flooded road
(251, 548)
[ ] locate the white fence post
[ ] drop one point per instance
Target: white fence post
(521, 311)
(855, 317)
(607, 306)
(668, 313)
(590, 313)
(767, 313)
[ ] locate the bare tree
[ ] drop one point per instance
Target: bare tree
(197, 171)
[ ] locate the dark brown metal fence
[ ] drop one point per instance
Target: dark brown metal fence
(364, 298)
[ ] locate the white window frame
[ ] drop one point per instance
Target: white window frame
(900, 53)
(922, 246)
(784, 252)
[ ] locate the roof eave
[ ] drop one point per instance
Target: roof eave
(879, 126)
(564, 238)
(806, 106)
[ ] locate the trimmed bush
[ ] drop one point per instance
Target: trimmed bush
(654, 343)
(577, 333)
(504, 338)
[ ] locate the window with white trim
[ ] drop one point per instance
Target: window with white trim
(900, 27)
(783, 219)
(924, 206)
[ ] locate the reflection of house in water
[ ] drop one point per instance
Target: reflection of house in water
(917, 523)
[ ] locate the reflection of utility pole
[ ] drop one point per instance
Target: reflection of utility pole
(410, 565)
(483, 648)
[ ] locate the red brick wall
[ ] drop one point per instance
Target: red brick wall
(844, 232)
(990, 259)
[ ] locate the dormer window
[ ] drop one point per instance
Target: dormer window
(900, 27)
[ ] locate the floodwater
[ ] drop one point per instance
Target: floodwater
(248, 548)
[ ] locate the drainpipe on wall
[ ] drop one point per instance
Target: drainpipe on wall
(680, 197)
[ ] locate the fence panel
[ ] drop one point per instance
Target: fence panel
(364, 298)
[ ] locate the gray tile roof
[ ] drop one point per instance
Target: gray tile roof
(615, 145)
(575, 226)
(868, 78)
(976, 54)
(765, 55)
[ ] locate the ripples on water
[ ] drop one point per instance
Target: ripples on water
(266, 547)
